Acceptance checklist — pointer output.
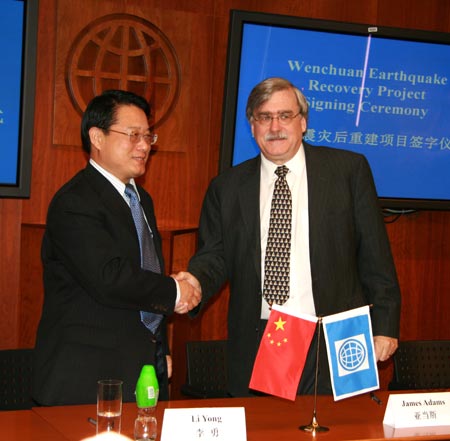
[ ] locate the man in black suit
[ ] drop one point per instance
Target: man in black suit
(95, 286)
(339, 254)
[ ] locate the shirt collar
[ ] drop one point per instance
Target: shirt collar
(115, 182)
(295, 165)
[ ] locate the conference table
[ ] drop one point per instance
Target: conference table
(267, 418)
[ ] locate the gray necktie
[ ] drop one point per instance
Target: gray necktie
(149, 258)
(278, 250)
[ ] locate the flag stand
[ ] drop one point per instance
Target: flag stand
(314, 427)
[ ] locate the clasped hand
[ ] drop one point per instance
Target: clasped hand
(190, 292)
(384, 347)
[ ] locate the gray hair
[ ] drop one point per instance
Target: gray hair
(263, 91)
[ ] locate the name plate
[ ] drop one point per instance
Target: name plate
(418, 410)
(204, 423)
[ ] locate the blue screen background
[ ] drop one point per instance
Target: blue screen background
(409, 153)
(11, 29)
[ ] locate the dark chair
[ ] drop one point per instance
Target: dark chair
(206, 369)
(15, 379)
(421, 364)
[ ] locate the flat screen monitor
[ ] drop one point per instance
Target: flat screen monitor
(18, 34)
(383, 92)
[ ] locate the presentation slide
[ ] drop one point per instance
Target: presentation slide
(11, 34)
(385, 98)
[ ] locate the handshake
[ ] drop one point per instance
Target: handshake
(190, 292)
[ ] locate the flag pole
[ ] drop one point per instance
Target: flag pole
(314, 427)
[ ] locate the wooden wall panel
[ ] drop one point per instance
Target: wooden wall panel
(43, 182)
(188, 154)
(31, 285)
(10, 213)
(340, 10)
(432, 15)
(421, 246)
(183, 142)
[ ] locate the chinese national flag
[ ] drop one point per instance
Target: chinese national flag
(282, 353)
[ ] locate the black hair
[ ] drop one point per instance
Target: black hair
(101, 112)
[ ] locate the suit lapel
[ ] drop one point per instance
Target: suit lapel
(114, 202)
(121, 211)
(249, 205)
(108, 194)
(318, 185)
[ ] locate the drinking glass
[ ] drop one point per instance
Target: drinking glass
(109, 405)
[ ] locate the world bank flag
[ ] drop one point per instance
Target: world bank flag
(351, 354)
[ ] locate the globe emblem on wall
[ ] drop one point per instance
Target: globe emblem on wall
(122, 51)
(352, 354)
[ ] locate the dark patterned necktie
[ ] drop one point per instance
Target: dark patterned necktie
(278, 250)
(149, 258)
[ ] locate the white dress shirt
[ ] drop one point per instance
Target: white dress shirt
(300, 294)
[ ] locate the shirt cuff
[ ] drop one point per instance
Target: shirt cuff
(178, 293)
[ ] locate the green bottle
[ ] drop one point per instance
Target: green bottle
(147, 388)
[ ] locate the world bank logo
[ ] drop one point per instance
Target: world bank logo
(351, 355)
(122, 51)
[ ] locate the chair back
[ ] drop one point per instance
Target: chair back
(422, 364)
(15, 379)
(206, 369)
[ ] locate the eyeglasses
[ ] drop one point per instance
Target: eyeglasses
(284, 118)
(135, 137)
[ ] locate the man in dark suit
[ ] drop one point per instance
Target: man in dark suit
(339, 252)
(94, 280)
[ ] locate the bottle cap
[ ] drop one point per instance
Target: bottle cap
(147, 388)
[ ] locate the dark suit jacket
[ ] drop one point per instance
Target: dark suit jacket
(351, 262)
(90, 327)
